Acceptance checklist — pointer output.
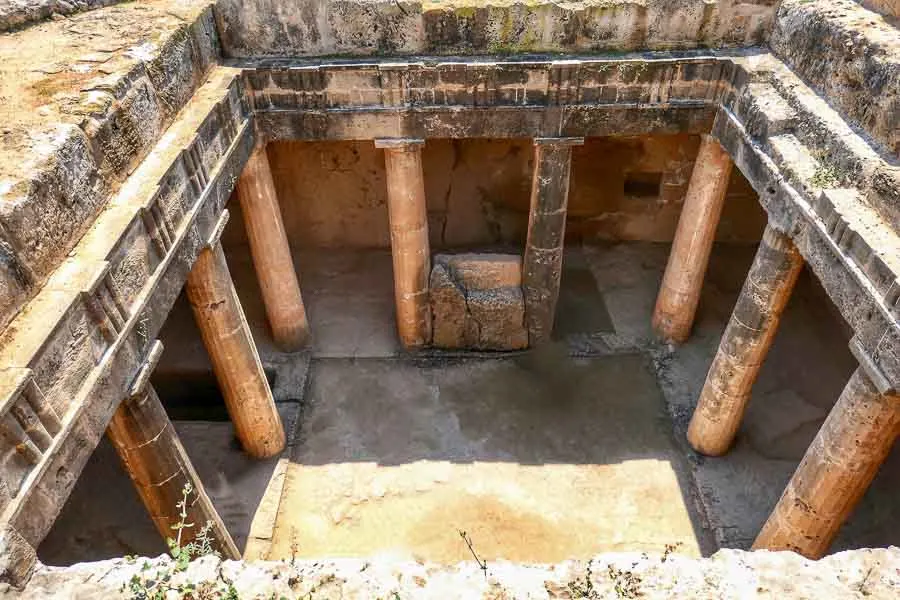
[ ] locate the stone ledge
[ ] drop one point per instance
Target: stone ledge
(848, 54)
(82, 118)
(18, 13)
(860, 574)
(370, 27)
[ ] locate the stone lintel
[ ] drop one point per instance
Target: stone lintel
(807, 216)
(143, 307)
(560, 141)
(402, 144)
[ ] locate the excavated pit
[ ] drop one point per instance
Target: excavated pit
(565, 452)
(137, 135)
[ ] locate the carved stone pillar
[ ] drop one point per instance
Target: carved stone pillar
(233, 354)
(409, 238)
(542, 266)
(160, 468)
(836, 470)
(271, 253)
(679, 294)
(745, 344)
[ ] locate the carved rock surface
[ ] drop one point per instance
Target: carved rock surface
(477, 302)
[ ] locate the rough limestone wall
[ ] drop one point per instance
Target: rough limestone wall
(333, 194)
(17, 13)
(868, 574)
(366, 27)
(886, 7)
(50, 194)
(848, 54)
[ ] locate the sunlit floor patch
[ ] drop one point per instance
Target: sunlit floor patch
(537, 459)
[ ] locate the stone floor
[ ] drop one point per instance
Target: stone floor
(539, 457)
(538, 460)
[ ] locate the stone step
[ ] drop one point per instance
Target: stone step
(96, 133)
(850, 55)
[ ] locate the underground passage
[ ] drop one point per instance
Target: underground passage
(441, 299)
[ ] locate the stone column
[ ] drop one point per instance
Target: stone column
(160, 469)
(689, 257)
(271, 253)
(235, 360)
(542, 266)
(409, 238)
(836, 471)
(744, 344)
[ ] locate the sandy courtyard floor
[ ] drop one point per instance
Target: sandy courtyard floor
(538, 459)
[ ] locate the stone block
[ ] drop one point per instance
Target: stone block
(448, 309)
(487, 271)
(500, 316)
(477, 302)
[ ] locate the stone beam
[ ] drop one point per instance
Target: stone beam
(487, 122)
(542, 266)
(682, 282)
(233, 353)
(836, 470)
(334, 27)
(160, 469)
(409, 238)
(271, 253)
(744, 344)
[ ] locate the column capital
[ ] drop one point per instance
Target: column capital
(142, 380)
(559, 141)
(402, 144)
(218, 229)
(869, 366)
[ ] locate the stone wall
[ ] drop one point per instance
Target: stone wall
(365, 27)
(889, 8)
(18, 13)
(849, 55)
(869, 574)
(478, 191)
(79, 126)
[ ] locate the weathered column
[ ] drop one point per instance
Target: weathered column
(160, 469)
(689, 257)
(271, 253)
(744, 344)
(409, 238)
(233, 354)
(542, 265)
(836, 471)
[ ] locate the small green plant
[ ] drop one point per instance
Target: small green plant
(626, 583)
(482, 564)
(670, 548)
(583, 587)
(825, 176)
(156, 583)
